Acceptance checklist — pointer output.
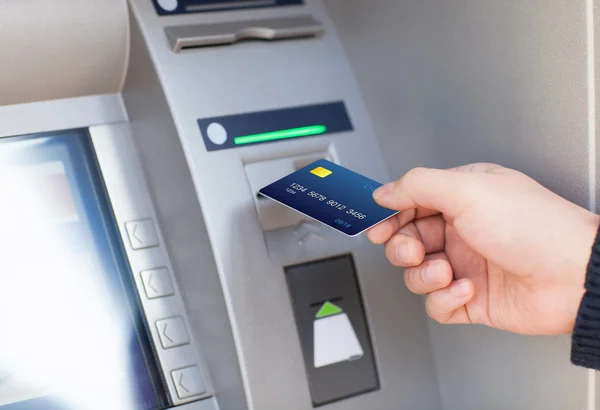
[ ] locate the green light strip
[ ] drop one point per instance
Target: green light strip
(279, 135)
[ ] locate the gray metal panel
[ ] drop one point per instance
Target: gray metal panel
(131, 202)
(61, 114)
(462, 81)
(265, 75)
(183, 227)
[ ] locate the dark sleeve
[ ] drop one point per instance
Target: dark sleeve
(585, 349)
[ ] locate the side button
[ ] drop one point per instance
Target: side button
(157, 283)
(172, 332)
(188, 382)
(142, 234)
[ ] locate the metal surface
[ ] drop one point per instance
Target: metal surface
(183, 227)
(131, 201)
(61, 114)
(209, 82)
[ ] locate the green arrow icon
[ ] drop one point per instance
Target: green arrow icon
(328, 309)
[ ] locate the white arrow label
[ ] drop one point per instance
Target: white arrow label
(165, 333)
(150, 279)
(134, 234)
(181, 383)
(335, 341)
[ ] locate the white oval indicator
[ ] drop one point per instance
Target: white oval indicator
(216, 133)
(168, 5)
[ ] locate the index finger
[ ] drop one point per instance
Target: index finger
(435, 189)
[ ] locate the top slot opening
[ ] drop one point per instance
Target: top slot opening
(216, 34)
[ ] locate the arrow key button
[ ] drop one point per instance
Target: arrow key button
(172, 332)
(157, 283)
(188, 382)
(142, 234)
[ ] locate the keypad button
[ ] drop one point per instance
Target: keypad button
(157, 283)
(142, 234)
(188, 382)
(172, 332)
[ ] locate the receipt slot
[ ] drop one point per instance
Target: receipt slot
(332, 328)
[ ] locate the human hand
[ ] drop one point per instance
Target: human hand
(488, 245)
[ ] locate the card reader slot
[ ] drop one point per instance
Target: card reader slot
(216, 34)
(271, 214)
(321, 302)
(299, 164)
(303, 162)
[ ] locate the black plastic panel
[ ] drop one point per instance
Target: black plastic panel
(333, 330)
(203, 6)
(282, 124)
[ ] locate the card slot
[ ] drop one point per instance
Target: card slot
(321, 302)
(230, 32)
(273, 215)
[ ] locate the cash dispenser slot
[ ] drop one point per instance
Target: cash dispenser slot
(333, 329)
(230, 32)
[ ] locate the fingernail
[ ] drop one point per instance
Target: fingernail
(429, 274)
(461, 288)
(382, 191)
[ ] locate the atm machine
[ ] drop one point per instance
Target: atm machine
(140, 269)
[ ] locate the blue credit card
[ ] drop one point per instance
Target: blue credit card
(331, 194)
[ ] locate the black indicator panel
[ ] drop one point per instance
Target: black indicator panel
(170, 7)
(333, 329)
(239, 130)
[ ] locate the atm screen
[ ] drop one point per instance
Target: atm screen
(72, 335)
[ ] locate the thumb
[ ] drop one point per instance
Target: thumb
(436, 189)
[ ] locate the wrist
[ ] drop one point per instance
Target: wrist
(584, 249)
(589, 253)
(586, 268)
